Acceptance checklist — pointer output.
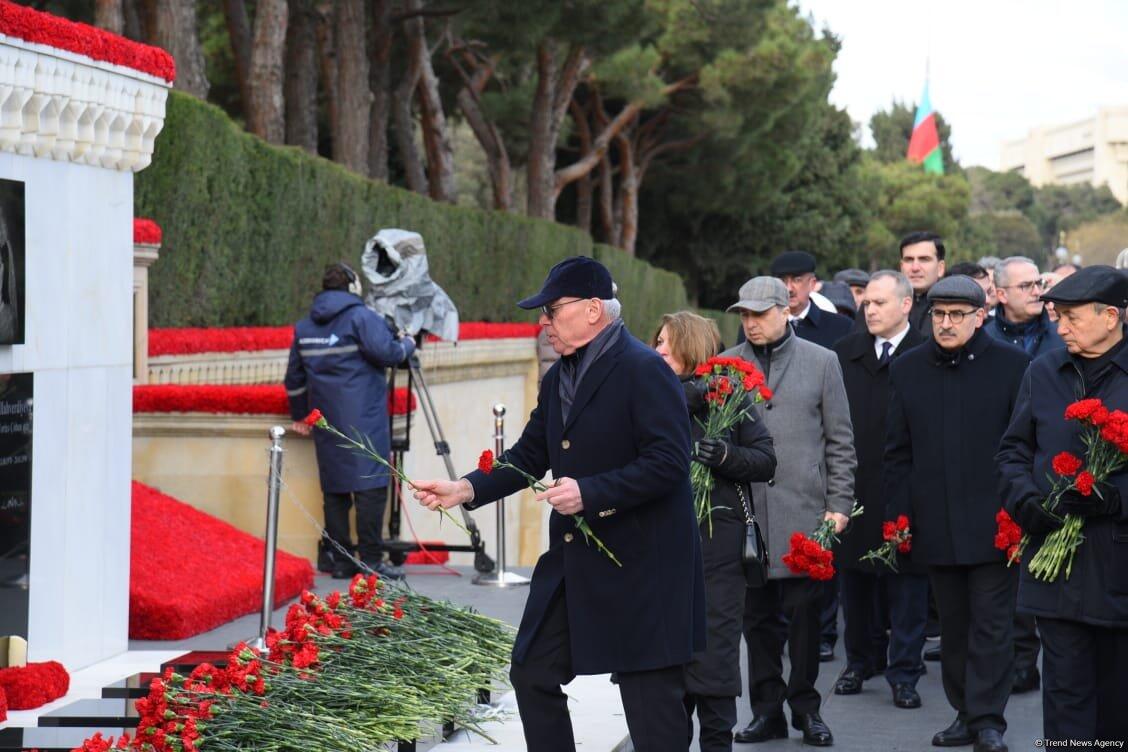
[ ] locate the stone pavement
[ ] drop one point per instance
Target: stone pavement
(860, 723)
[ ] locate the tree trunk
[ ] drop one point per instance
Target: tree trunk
(556, 84)
(606, 201)
(327, 60)
(239, 31)
(135, 15)
(354, 100)
(110, 15)
(584, 186)
(485, 131)
(629, 178)
(175, 30)
(266, 109)
(405, 128)
(301, 76)
(432, 121)
(380, 82)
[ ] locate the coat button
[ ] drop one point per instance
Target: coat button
(565, 444)
(768, 406)
(567, 537)
(771, 482)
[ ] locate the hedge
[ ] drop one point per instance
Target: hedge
(248, 228)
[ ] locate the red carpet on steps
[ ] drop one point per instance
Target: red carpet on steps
(190, 572)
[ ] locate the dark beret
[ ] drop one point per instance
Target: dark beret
(792, 263)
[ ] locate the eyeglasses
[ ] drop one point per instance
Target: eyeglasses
(550, 310)
(1028, 286)
(956, 317)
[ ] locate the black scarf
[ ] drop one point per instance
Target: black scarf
(763, 353)
(573, 367)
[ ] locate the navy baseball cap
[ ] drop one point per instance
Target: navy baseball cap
(576, 277)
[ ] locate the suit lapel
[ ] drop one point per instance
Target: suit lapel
(595, 375)
(866, 356)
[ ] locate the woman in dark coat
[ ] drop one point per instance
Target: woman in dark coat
(686, 340)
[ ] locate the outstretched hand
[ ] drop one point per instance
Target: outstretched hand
(435, 494)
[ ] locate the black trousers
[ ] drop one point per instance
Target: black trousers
(369, 520)
(1026, 643)
(653, 701)
(716, 716)
(828, 618)
(870, 602)
(799, 599)
(1084, 692)
(977, 631)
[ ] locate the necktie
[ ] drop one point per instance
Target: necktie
(886, 347)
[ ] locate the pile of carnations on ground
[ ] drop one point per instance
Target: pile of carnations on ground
(349, 672)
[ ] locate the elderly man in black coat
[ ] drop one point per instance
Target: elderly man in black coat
(1083, 617)
(872, 596)
(611, 424)
(952, 400)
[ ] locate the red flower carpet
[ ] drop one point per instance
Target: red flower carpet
(190, 572)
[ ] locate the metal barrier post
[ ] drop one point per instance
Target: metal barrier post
(499, 577)
(274, 486)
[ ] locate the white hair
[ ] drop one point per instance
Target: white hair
(612, 308)
(1002, 271)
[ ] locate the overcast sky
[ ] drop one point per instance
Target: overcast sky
(998, 67)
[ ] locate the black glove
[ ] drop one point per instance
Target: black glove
(711, 452)
(695, 395)
(1033, 518)
(1104, 501)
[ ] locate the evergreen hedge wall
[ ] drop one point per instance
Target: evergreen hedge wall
(248, 228)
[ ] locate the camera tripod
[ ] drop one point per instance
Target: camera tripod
(396, 547)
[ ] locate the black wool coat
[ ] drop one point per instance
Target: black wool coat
(823, 327)
(1097, 590)
(867, 389)
(749, 458)
(945, 423)
(627, 443)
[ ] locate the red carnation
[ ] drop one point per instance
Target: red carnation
(1066, 464)
(1084, 483)
(1082, 409)
(888, 530)
(766, 393)
(315, 418)
(486, 462)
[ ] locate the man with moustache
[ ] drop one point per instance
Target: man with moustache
(809, 421)
(951, 403)
(873, 596)
(612, 426)
(922, 261)
(1083, 617)
(797, 271)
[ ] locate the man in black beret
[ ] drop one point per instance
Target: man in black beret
(797, 270)
(611, 425)
(1082, 617)
(951, 402)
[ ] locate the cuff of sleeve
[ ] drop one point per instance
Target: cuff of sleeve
(470, 505)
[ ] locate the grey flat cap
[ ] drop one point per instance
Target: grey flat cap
(958, 288)
(853, 277)
(761, 293)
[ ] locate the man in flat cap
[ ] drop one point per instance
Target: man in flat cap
(809, 421)
(797, 270)
(611, 425)
(857, 280)
(1083, 617)
(951, 402)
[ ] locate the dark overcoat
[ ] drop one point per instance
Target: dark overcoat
(1097, 590)
(867, 390)
(823, 328)
(749, 458)
(945, 423)
(627, 443)
(1044, 333)
(337, 364)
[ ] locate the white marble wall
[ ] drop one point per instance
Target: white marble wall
(78, 338)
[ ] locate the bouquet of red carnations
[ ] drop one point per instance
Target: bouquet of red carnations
(896, 539)
(1008, 537)
(1104, 433)
(813, 556)
(728, 380)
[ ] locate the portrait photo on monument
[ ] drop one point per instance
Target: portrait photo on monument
(11, 262)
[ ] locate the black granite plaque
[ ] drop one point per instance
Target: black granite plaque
(11, 262)
(52, 739)
(15, 500)
(88, 713)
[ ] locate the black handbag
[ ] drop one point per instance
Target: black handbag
(755, 553)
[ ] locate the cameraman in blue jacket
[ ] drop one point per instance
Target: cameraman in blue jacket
(337, 364)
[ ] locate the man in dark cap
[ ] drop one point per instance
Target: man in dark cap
(857, 280)
(611, 425)
(1082, 617)
(797, 270)
(951, 402)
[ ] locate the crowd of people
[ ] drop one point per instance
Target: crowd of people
(932, 395)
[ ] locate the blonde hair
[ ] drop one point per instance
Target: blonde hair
(692, 339)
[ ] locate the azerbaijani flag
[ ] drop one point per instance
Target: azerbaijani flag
(924, 146)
